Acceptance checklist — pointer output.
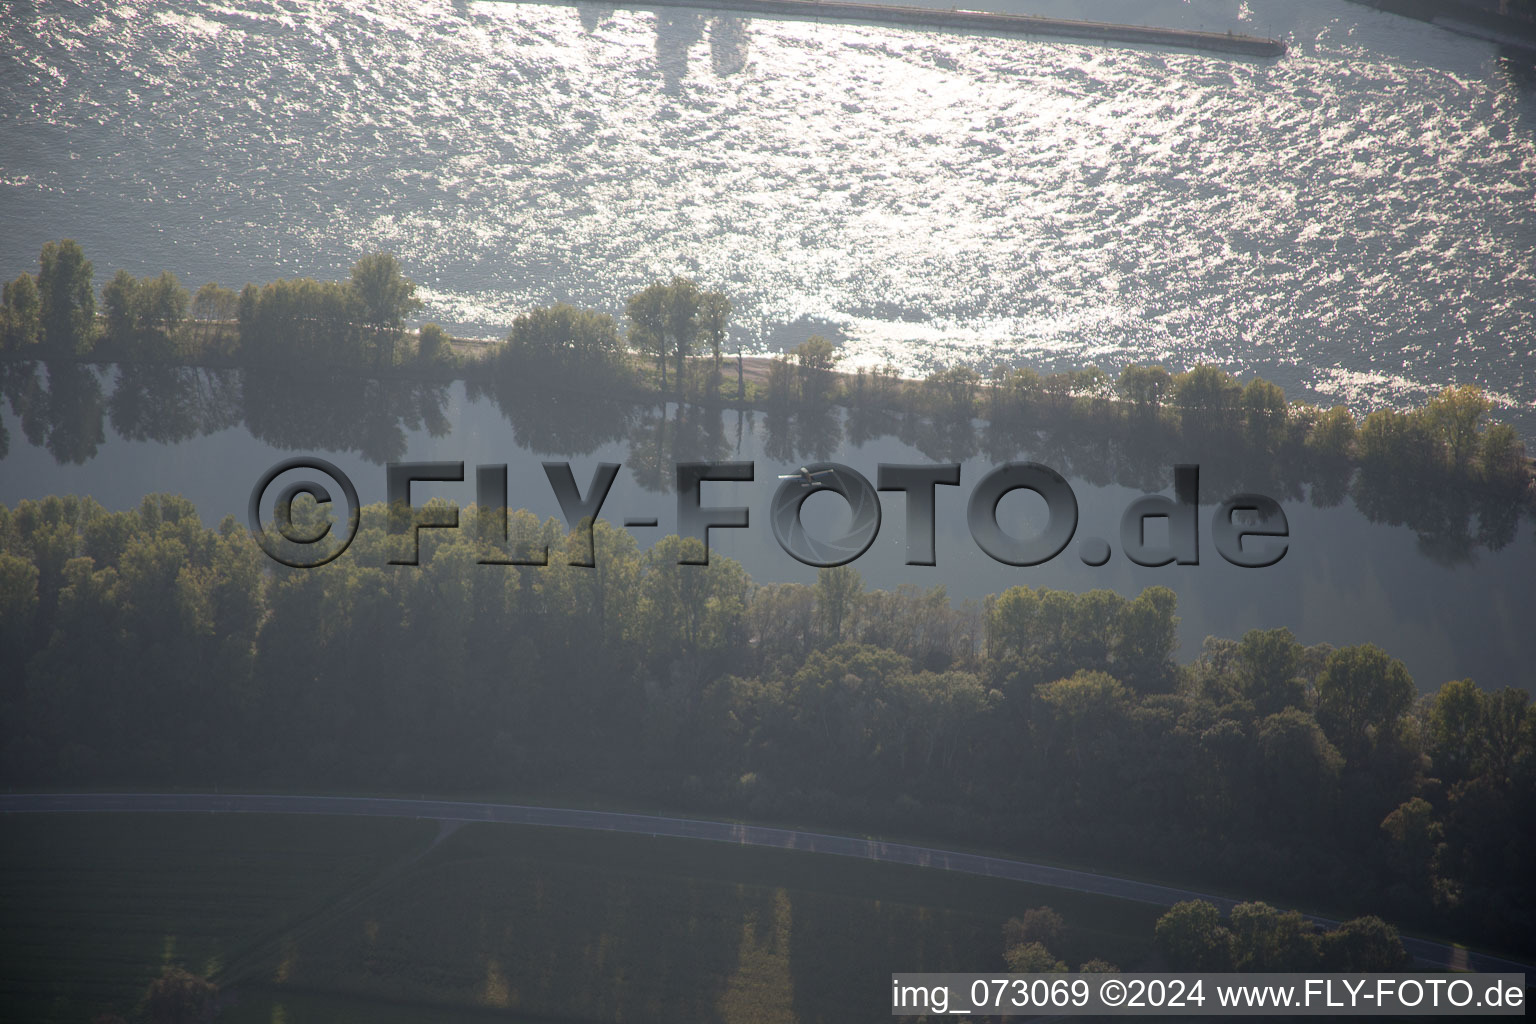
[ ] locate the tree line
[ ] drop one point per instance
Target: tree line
(300, 323)
(304, 325)
(1194, 935)
(1451, 434)
(141, 648)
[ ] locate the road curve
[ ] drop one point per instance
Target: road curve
(1427, 953)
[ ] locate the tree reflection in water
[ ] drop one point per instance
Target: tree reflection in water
(62, 408)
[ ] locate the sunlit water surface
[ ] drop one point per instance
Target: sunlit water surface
(1355, 221)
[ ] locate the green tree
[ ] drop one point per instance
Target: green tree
(144, 316)
(1012, 619)
(1013, 392)
(1417, 843)
(120, 305)
(1264, 939)
(1298, 770)
(1397, 441)
(1033, 958)
(838, 591)
(815, 357)
(647, 315)
(1207, 395)
(1095, 385)
(1191, 936)
(934, 719)
(1038, 924)
(300, 323)
(1510, 723)
(836, 696)
(782, 619)
(950, 393)
(21, 319)
(213, 304)
(1097, 966)
(683, 299)
(1081, 721)
(1145, 638)
(714, 321)
(1264, 413)
(686, 609)
(1144, 387)
(1502, 457)
(1333, 434)
(385, 297)
(1360, 691)
(18, 607)
(1455, 416)
(432, 344)
(164, 304)
(561, 336)
(247, 310)
(1458, 740)
(213, 307)
(1268, 661)
(1364, 945)
(1085, 697)
(67, 298)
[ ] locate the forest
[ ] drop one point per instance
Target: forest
(142, 649)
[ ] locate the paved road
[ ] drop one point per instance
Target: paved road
(1429, 954)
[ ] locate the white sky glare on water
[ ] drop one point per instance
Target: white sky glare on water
(1355, 220)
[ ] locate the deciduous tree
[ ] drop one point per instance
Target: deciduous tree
(21, 318)
(67, 298)
(1193, 938)
(385, 297)
(1360, 691)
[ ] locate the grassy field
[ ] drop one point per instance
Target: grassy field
(328, 919)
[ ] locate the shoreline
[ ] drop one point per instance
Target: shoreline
(475, 356)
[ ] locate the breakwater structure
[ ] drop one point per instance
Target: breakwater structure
(976, 21)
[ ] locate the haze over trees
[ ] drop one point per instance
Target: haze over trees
(143, 649)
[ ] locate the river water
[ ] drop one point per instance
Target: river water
(1355, 221)
(1445, 584)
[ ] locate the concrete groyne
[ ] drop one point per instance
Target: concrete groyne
(980, 21)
